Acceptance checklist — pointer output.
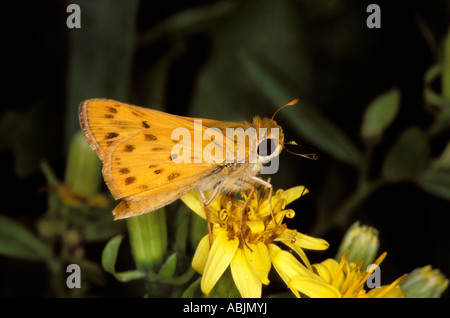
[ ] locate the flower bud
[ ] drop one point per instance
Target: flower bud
(362, 243)
(424, 282)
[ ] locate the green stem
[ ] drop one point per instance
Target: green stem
(446, 68)
(342, 215)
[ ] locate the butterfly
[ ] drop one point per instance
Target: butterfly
(152, 158)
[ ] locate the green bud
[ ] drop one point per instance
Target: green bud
(362, 243)
(83, 168)
(148, 239)
(424, 282)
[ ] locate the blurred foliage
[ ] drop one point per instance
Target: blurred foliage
(374, 104)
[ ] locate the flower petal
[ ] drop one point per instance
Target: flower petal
(299, 252)
(304, 241)
(201, 255)
(287, 265)
(221, 253)
(294, 193)
(246, 280)
(314, 288)
(256, 226)
(194, 202)
(395, 292)
(327, 270)
(259, 261)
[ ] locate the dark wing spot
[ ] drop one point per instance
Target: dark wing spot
(144, 187)
(111, 135)
(129, 148)
(173, 176)
(130, 180)
(150, 137)
(124, 171)
(157, 148)
(109, 116)
(112, 110)
(144, 123)
(152, 166)
(137, 113)
(158, 171)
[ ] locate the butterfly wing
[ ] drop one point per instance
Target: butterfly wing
(135, 145)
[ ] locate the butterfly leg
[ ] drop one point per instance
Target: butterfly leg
(205, 207)
(269, 198)
(247, 201)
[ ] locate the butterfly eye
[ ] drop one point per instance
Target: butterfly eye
(267, 147)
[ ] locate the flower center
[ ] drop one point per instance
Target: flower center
(256, 223)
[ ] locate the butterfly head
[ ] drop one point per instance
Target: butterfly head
(270, 139)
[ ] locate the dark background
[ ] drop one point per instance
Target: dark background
(189, 58)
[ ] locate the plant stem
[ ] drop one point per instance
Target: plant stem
(341, 216)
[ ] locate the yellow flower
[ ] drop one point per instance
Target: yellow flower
(344, 280)
(250, 261)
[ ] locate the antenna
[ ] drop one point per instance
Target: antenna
(292, 102)
(311, 156)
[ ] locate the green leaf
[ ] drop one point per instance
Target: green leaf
(49, 174)
(193, 291)
(17, 241)
(109, 257)
(129, 275)
(92, 272)
(379, 115)
(168, 269)
(408, 156)
(223, 82)
(225, 287)
(436, 181)
(305, 118)
(182, 279)
(197, 229)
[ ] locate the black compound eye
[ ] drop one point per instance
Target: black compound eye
(267, 147)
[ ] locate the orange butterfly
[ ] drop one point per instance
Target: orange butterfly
(151, 158)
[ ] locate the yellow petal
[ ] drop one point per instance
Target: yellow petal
(294, 193)
(395, 292)
(326, 271)
(221, 253)
(256, 226)
(286, 264)
(303, 240)
(201, 255)
(314, 288)
(299, 252)
(288, 196)
(194, 202)
(246, 280)
(259, 261)
(389, 291)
